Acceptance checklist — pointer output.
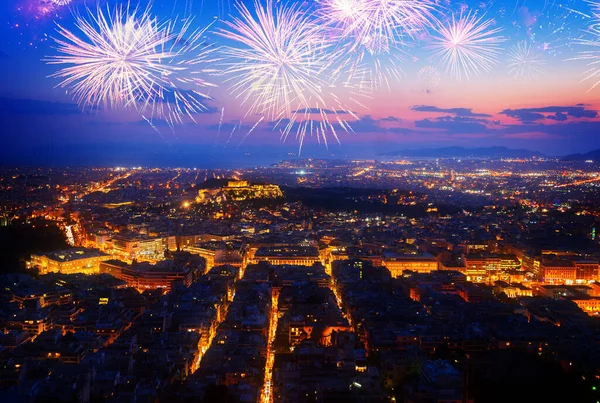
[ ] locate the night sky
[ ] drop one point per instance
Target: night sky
(555, 113)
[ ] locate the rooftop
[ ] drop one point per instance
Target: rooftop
(74, 254)
(287, 251)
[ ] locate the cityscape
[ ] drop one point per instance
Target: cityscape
(416, 280)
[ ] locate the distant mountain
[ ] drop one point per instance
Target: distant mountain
(592, 155)
(461, 152)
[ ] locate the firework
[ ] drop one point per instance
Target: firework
(279, 68)
(38, 10)
(525, 60)
(591, 55)
(430, 76)
(377, 24)
(467, 46)
(127, 59)
(223, 6)
(61, 3)
(372, 34)
(343, 13)
(594, 6)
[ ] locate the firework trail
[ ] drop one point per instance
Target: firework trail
(231, 134)
(221, 118)
(127, 59)
(223, 6)
(591, 55)
(280, 69)
(467, 46)
(594, 6)
(251, 130)
(525, 60)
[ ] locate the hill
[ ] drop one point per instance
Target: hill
(592, 155)
(461, 152)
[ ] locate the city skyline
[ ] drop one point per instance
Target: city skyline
(553, 111)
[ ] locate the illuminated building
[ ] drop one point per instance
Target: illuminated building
(69, 261)
(185, 241)
(98, 241)
(216, 254)
(586, 270)
(425, 263)
(207, 252)
(141, 247)
(35, 323)
(567, 271)
(476, 247)
(594, 289)
(510, 263)
(562, 290)
(479, 267)
(559, 272)
(144, 275)
(238, 191)
(590, 306)
(286, 255)
(55, 297)
(4, 220)
(512, 290)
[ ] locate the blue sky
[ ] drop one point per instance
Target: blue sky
(555, 113)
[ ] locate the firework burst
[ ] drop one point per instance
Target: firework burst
(372, 34)
(367, 21)
(279, 68)
(430, 76)
(525, 60)
(127, 59)
(468, 45)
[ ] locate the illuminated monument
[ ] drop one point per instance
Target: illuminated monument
(238, 191)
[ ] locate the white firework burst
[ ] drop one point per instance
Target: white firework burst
(525, 60)
(372, 34)
(365, 20)
(279, 68)
(430, 76)
(468, 45)
(127, 59)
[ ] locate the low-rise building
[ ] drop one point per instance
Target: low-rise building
(144, 275)
(425, 263)
(558, 272)
(287, 255)
(512, 290)
(69, 261)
